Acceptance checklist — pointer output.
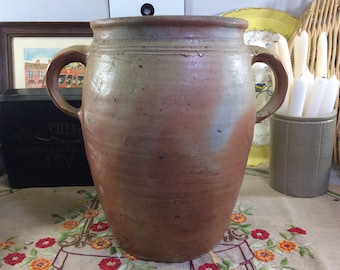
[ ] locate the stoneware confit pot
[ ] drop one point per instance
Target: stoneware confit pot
(167, 115)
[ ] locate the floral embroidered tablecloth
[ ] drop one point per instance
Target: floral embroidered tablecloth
(69, 231)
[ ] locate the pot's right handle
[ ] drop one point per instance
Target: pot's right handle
(66, 56)
(281, 81)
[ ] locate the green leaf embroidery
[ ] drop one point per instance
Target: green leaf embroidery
(74, 216)
(284, 236)
(245, 231)
(11, 238)
(141, 265)
(264, 268)
(257, 263)
(33, 252)
(245, 225)
(124, 266)
(284, 262)
(117, 251)
(227, 262)
(241, 208)
(222, 266)
(256, 244)
(149, 267)
(58, 221)
(27, 260)
(311, 253)
(112, 250)
(100, 235)
(302, 251)
(91, 195)
(246, 211)
(18, 248)
(270, 243)
(63, 237)
(276, 250)
(57, 216)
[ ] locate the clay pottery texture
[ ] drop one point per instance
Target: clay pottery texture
(167, 115)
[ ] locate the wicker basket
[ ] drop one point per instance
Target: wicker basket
(323, 16)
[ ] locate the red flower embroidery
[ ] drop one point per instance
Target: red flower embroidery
(297, 230)
(14, 258)
(259, 234)
(100, 226)
(45, 243)
(109, 264)
(209, 266)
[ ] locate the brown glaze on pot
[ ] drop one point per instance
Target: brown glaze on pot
(167, 115)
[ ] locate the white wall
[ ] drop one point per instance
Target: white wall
(204, 7)
(216, 7)
(58, 10)
(119, 8)
(87, 10)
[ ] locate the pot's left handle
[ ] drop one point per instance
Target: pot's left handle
(66, 56)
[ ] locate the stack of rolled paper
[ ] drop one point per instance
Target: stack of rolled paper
(308, 94)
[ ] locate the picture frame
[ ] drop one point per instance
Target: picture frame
(17, 32)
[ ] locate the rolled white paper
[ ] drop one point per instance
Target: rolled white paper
(309, 76)
(317, 93)
(298, 97)
(284, 54)
(285, 105)
(300, 53)
(329, 99)
(321, 56)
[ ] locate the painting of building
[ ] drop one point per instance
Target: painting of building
(36, 62)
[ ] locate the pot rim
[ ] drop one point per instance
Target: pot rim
(197, 21)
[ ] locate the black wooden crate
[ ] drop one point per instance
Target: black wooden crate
(41, 145)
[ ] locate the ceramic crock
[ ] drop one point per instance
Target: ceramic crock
(167, 115)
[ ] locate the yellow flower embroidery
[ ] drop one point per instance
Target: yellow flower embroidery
(130, 257)
(6, 244)
(90, 213)
(40, 264)
(101, 243)
(287, 246)
(70, 224)
(238, 218)
(264, 255)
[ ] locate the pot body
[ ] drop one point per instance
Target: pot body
(167, 116)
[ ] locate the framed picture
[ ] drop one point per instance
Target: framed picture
(27, 47)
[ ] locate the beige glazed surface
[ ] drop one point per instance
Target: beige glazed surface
(167, 115)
